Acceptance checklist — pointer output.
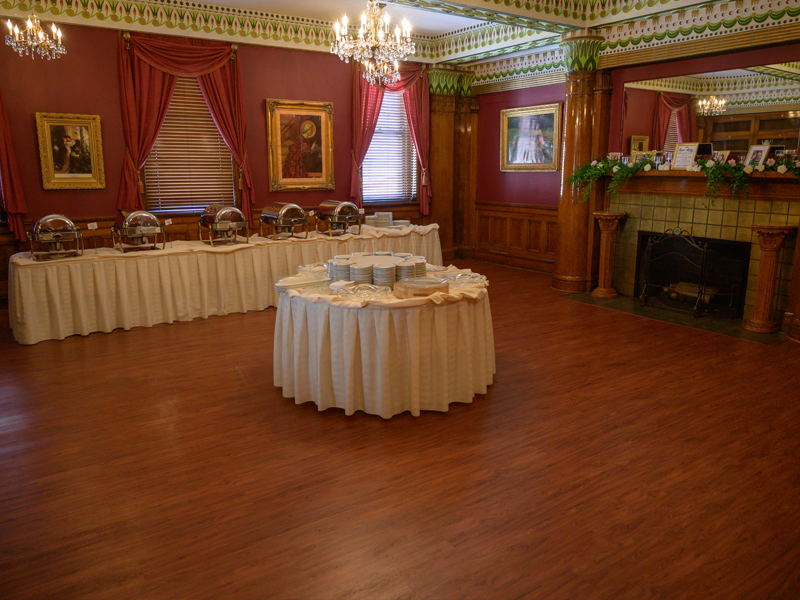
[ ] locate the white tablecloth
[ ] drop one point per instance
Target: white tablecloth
(106, 290)
(384, 358)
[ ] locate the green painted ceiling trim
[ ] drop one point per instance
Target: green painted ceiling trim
(518, 73)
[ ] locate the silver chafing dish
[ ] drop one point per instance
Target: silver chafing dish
(284, 218)
(222, 224)
(139, 231)
(53, 237)
(339, 216)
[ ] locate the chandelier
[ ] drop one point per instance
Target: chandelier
(34, 40)
(711, 107)
(376, 48)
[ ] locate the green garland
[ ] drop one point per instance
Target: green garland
(735, 175)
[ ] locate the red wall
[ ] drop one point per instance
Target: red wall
(493, 185)
(639, 118)
(86, 81)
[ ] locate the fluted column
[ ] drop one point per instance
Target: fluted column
(581, 50)
(598, 201)
(608, 222)
(770, 238)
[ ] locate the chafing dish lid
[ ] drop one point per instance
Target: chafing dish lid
(285, 211)
(54, 224)
(219, 213)
(141, 218)
(336, 208)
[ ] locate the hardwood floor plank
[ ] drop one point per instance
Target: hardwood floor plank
(614, 457)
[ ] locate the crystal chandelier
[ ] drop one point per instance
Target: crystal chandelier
(376, 48)
(34, 40)
(711, 106)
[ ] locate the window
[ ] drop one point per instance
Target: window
(671, 140)
(189, 166)
(389, 171)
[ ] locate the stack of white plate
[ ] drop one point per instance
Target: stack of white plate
(371, 220)
(382, 253)
(384, 275)
(405, 269)
(343, 256)
(420, 266)
(383, 219)
(357, 254)
(402, 222)
(340, 269)
(403, 255)
(361, 273)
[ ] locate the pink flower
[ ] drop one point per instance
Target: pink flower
(770, 162)
(732, 162)
(797, 164)
(594, 163)
(694, 163)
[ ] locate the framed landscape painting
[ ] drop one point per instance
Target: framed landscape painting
(300, 145)
(530, 138)
(70, 151)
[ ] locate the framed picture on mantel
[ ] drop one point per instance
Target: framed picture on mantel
(684, 156)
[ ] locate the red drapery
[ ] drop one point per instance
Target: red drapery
(149, 65)
(367, 100)
(10, 185)
(683, 106)
(416, 97)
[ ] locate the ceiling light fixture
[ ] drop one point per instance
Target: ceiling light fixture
(711, 106)
(33, 40)
(376, 48)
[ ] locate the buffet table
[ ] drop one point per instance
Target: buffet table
(386, 356)
(105, 289)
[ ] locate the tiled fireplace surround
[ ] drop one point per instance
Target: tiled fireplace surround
(720, 218)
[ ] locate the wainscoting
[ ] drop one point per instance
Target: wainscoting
(517, 235)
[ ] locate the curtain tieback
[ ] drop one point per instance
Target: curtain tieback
(424, 176)
(357, 166)
(135, 170)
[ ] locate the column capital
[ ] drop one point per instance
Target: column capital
(450, 82)
(581, 49)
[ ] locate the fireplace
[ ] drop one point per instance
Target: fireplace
(702, 276)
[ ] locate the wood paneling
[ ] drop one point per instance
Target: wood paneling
(442, 164)
(516, 235)
(614, 457)
(763, 186)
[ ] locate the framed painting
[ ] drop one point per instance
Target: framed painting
(300, 145)
(70, 151)
(639, 143)
(530, 138)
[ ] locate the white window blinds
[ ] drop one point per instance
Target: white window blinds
(672, 133)
(189, 166)
(389, 171)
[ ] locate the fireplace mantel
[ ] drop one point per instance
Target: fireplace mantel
(763, 186)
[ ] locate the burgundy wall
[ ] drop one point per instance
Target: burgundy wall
(725, 62)
(639, 119)
(86, 81)
(541, 189)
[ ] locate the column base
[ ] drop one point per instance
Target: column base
(761, 326)
(604, 293)
(568, 284)
(793, 332)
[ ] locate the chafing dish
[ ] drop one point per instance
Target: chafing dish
(284, 218)
(339, 216)
(139, 231)
(53, 237)
(222, 224)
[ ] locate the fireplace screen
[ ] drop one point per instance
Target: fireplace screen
(698, 275)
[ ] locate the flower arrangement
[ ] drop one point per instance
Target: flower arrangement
(736, 175)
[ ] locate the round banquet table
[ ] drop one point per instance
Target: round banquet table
(384, 357)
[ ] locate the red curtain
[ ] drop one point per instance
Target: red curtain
(683, 105)
(367, 100)
(416, 97)
(149, 65)
(10, 184)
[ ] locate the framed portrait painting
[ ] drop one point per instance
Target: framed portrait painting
(300, 145)
(530, 138)
(70, 151)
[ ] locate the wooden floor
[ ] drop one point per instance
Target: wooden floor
(613, 458)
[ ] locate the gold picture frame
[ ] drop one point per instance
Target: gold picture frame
(637, 156)
(639, 143)
(70, 151)
(530, 138)
(300, 145)
(684, 156)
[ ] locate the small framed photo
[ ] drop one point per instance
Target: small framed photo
(684, 156)
(70, 151)
(721, 156)
(530, 138)
(615, 156)
(639, 143)
(638, 157)
(300, 145)
(756, 156)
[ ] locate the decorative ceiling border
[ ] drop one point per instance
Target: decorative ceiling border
(726, 84)
(767, 70)
(520, 83)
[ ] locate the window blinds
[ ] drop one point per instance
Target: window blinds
(389, 171)
(189, 166)
(672, 133)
